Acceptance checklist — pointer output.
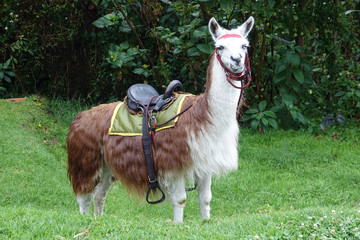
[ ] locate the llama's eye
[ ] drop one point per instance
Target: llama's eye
(220, 48)
(244, 47)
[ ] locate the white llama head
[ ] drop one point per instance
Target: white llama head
(231, 45)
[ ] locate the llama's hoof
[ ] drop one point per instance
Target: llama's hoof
(177, 221)
(206, 220)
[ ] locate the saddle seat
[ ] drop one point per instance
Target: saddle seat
(139, 96)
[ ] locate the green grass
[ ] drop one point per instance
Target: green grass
(287, 182)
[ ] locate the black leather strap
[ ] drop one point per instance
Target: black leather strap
(153, 183)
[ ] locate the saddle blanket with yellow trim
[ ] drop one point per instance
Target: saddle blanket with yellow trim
(124, 123)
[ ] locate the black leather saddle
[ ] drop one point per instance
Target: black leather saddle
(139, 96)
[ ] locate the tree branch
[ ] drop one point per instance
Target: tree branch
(133, 29)
(262, 57)
(156, 37)
(204, 11)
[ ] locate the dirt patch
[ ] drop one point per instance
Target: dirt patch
(15, 100)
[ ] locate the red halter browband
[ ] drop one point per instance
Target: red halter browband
(230, 36)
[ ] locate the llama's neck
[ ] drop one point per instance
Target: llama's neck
(222, 97)
(214, 146)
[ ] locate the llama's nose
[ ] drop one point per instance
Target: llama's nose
(236, 59)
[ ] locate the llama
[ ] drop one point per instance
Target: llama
(201, 145)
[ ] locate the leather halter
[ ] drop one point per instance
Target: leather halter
(246, 74)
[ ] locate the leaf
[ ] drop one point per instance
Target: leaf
(124, 27)
(273, 123)
(295, 59)
(199, 34)
(177, 50)
(357, 93)
(192, 52)
(102, 22)
(294, 114)
(124, 45)
(340, 93)
(280, 66)
(205, 48)
(117, 64)
(349, 94)
(7, 79)
(131, 52)
(286, 97)
(280, 77)
(7, 63)
(296, 86)
(226, 5)
(301, 118)
(106, 21)
(195, 22)
(262, 106)
(251, 111)
(299, 75)
(271, 4)
(247, 117)
(299, 49)
(265, 122)
(270, 114)
(255, 124)
(317, 70)
(139, 71)
(306, 64)
(174, 40)
(11, 74)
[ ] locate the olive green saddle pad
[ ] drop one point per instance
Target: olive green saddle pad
(124, 123)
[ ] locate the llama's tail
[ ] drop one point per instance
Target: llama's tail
(84, 158)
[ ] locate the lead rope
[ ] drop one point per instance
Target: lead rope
(237, 76)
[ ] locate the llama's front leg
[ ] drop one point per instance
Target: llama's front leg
(204, 191)
(84, 201)
(177, 194)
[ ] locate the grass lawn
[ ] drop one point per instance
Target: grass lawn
(289, 185)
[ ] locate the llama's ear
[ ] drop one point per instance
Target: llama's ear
(214, 29)
(246, 27)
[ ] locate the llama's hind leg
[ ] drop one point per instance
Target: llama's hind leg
(177, 194)
(84, 201)
(102, 188)
(204, 195)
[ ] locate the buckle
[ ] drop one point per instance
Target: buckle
(152, 181)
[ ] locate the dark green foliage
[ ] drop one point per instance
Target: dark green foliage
(304, 55)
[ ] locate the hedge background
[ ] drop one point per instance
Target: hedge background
(304, 54)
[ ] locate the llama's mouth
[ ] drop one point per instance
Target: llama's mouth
(236, 68)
